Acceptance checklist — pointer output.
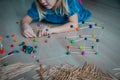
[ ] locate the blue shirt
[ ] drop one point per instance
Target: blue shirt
(74, 7)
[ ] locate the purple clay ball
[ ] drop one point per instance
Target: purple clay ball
(83, 53)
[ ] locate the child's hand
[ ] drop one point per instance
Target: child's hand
(44, 31)
(27, 31)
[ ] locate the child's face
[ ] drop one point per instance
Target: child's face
(49, 4)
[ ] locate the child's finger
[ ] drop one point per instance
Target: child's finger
(32, 34)
(45, 34)
(40, 33)
(25, 35)
(28, 34)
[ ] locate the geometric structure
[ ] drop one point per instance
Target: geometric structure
(85, 38)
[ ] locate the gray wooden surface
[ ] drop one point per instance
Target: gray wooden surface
(103, 12)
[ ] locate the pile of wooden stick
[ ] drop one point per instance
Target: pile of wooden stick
(14, 70)
(70, 72)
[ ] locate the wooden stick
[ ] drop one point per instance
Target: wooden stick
(6, 57)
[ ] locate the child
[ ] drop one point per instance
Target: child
(69, 12)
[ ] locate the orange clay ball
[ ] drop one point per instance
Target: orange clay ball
(15, 40)
(1, 38)
(35, 28)
(77, 29)
(25, 43)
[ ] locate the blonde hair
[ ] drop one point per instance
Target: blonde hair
(62, 5)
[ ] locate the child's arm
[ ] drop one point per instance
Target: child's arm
(73, 20)
(26, 28)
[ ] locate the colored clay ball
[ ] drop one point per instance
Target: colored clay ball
(2, 50)
(28, 49)
(93, 35)
(48, 35)
(24, 47)
(97, 53)
(68, 47)
(15, 40)
(83, 22)
(25, 43)
(47, 29)
(38, 60)
(68, 52)
(13, 35)
(36, 47)
(38, 25)
(71, 26)
(72, 41)
(17, 22)
(95, 24)
(102, 27)
(7, 36)
(46, 41)
(80, 47)
(77, 29)
(83, 53)
(16, 51)
(85, 38)
(35, 40)
(35, 28)
(5, 64)
(1, 38)
(97, 40)
(34, 51)
(31, 53)
(21, 44)
(12, 45)
(90, 26)
(92, 47)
